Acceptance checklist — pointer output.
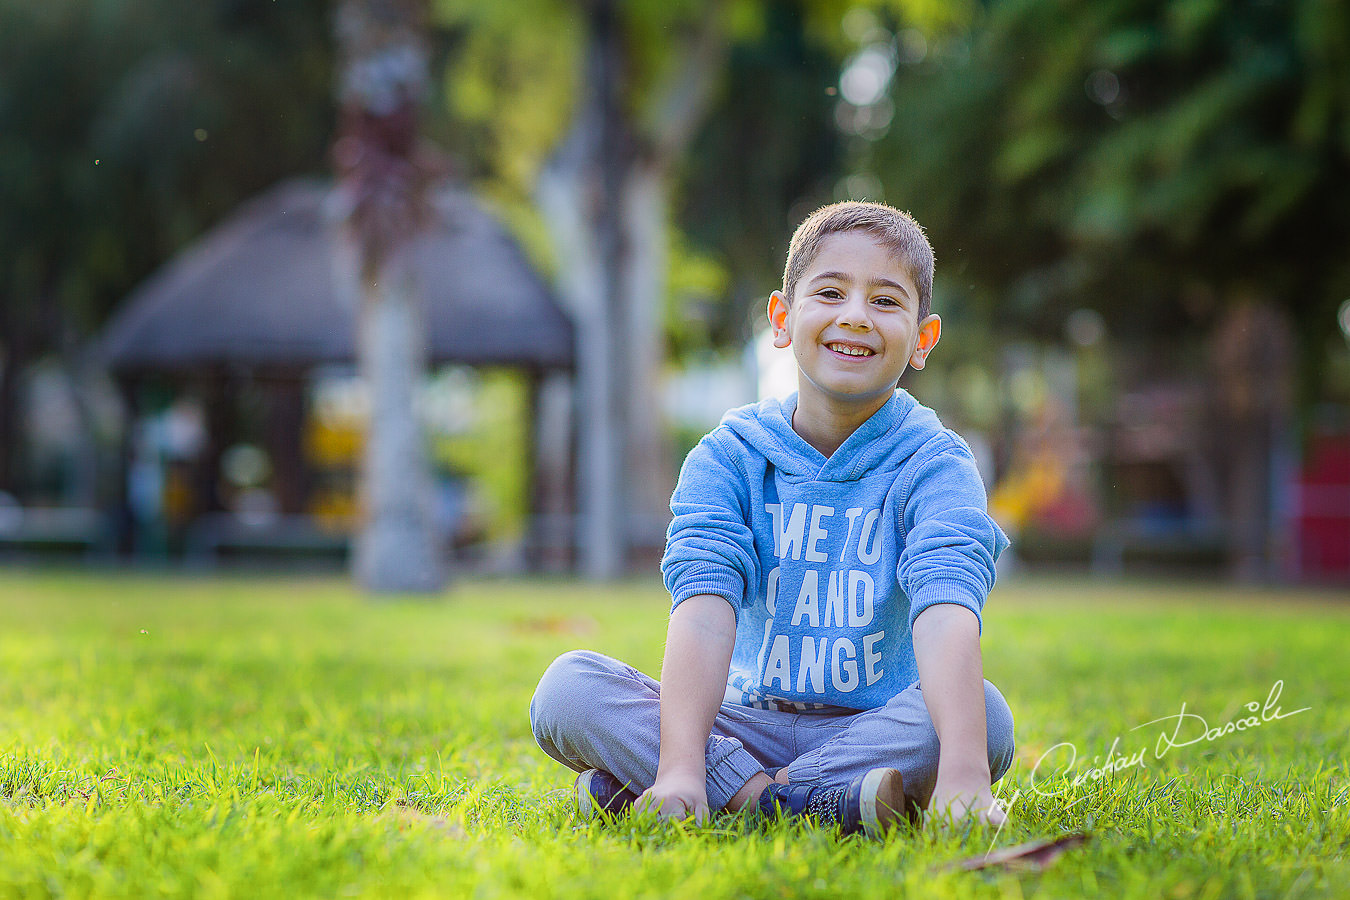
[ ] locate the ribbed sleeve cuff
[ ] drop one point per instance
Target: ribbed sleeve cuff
(947, 591)
(720, 583)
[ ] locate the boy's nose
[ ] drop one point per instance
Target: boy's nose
(854, 314)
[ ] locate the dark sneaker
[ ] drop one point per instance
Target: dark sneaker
(599, 791)
(870, 803)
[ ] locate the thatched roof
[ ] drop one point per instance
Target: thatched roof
(260, 290)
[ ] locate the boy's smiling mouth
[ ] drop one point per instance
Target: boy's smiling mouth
(849, 349)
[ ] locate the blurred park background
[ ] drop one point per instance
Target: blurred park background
(531, 241)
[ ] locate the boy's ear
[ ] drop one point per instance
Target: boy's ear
(930, 329)
(778, 313)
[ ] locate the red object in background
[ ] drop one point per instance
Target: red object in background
(1322, 509)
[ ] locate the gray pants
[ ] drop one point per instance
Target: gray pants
(591, 711)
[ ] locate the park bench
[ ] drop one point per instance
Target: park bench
(1185, 543)
(42, 531)
(218, 537)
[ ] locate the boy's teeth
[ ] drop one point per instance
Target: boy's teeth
(851, 351)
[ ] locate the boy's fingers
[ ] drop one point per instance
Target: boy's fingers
(665, 807)
(649, 802)
(960, 809)
(674, 808)
(993, 812)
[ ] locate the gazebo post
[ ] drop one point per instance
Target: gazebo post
(218, 387)
(533, 500)
(285, 440)
(124, 517)
(552, 530)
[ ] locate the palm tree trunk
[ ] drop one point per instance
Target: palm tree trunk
(383, 186)
(579, 192)
(604, 194)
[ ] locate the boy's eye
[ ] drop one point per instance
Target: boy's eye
(833, 293)
(886, 301)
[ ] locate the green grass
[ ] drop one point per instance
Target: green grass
(249, 737)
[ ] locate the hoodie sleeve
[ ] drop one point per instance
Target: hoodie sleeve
(710, 548)
(950, 541)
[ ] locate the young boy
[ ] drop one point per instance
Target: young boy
(828, 561)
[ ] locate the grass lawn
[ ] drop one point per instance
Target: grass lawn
(264, 737)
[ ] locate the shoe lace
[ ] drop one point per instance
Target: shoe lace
(824, 804)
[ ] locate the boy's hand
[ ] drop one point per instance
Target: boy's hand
(956, 798)
(676, 797)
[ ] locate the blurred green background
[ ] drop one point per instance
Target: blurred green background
(1141, 213)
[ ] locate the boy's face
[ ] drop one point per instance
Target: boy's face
(853, 325)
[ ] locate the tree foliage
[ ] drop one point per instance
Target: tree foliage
(1153, 159)
(762, 146)
(128, 126)
(125, 129)
(768, 150)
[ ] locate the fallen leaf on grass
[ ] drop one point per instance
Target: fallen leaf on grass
(579, 625)
(406, 816)
(1035, 855)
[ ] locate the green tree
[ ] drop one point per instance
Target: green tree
(1181, 166)
(768, 152)
(591, 108)
(126, 129)
(1155, 159)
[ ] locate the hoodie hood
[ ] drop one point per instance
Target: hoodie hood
(884, 442)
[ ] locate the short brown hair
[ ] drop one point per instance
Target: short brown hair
(893, 229)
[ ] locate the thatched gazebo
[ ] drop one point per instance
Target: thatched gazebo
(259, 299)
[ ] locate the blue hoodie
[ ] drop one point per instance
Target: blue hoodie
(827, 562)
